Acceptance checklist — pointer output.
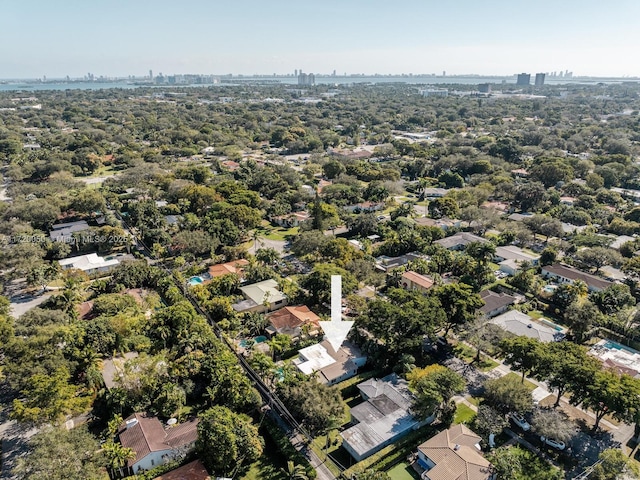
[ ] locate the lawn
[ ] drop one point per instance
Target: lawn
(268, 466)
(468, 354)
(530, 385)
(464, 414)
(281, 234)
(402, 471)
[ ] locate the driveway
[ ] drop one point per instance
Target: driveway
(23, 302)
(277, 245)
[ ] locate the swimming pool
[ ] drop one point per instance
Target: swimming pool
(195, 281)
(258, 339)
(611, 345)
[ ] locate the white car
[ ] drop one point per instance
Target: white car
(520, 421)
(557, 444)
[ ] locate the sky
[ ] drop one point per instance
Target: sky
(487, 37)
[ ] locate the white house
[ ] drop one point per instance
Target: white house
(330, 367)
(152, 444)
(511, 252)
(569, 275)
(89, 263)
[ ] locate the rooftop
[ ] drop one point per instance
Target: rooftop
(227, 268)
(511, 252)
(416, 278)
(383, 416)
(521, 324)
(617, 357)
(145, 434)
(456, 454)
(493, 301)
(88, 262)
(290, 318)
(191, 471)
(574, 274)
(460, 239)
(328, 363)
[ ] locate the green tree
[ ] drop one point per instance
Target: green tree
(318, 282)
(459, 302)
(507, 394)
(582, 316)
(614, 465)
(315, 405)
(294, 472)
(117, 455)
(60, 454)
(434, 389)
(226, 440)
(553, 424)
(48, 399)
(523, 354)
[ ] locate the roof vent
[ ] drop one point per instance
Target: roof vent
(172, 421)
(456, 447)
(131, 423)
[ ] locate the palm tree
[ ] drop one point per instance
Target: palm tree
(294, 472)
(117, 455)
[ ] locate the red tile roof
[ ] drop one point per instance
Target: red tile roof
(145, 434)
(229, 267)
(191, 471)
(290, 318)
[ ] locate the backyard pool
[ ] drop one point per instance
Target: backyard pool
(195, 281)
(258, 339)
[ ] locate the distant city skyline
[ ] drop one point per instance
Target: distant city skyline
(117, 38)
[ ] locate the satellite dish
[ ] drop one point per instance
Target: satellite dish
(172, 421)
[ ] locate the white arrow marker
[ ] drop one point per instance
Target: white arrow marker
(336, 330)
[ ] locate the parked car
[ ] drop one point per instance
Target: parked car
(557, 444)
(520, 421)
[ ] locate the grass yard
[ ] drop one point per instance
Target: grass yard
(464, 414)
(468, 354)
(530, 385)
(281, 234)
(268, 466)
(402, 471)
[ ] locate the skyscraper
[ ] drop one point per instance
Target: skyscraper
(540, 79)
(524, 79)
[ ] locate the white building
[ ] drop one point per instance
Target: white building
(261, 297)
(330, 367)
(90, 263)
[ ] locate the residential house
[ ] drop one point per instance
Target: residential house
(191, 471)
(561, 273)
(89, 263)
(429, 193)
(365, 207)
(495, 303)
(261, 297)
(460, 240)
(293, 219)
(292, 320)
(416, 282)
(153, 444)
(383, 417)
(63, 232)
(519, 217)
(510, 267)
(523, 325)
(511, 252)
(454, 454)
(330, 366)
(234, 266)
(386, 264)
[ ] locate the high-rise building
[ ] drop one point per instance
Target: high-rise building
(524, 79)
(296, 72)
(484, 88)
(306, 79)
(150, 74)
(539, 79)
